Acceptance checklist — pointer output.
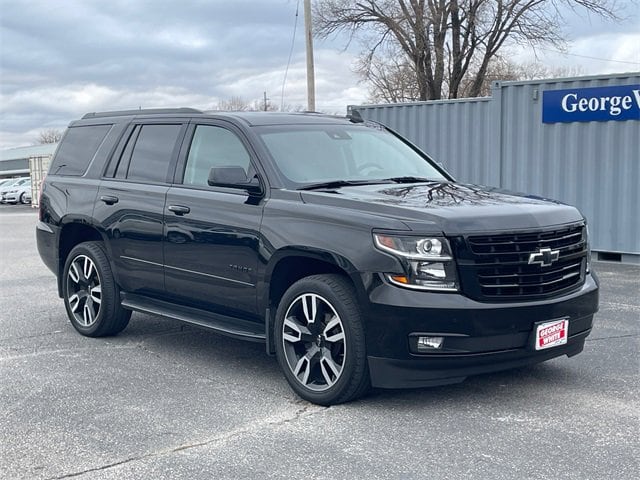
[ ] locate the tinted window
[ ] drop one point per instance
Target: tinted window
(122, 165)
(152, 153)
(320, 153)
(213, 147)
(77, 149)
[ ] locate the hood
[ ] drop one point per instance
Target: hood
(449, 207)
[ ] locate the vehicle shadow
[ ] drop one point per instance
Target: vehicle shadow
(206, 353)
(508, 389)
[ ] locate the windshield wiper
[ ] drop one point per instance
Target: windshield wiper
(341, 183)
(409, 179)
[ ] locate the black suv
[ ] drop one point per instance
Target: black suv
(354, 257)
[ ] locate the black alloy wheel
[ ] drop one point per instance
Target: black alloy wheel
(84, 290)
(320, 340)
(91, 295)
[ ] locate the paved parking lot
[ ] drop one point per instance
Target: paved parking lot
(162, 400)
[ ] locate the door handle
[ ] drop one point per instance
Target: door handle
(109, 199)
(179, 209)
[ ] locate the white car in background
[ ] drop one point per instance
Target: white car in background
(21, 194)
(16, 191)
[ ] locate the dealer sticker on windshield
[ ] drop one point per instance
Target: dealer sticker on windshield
(552, 334)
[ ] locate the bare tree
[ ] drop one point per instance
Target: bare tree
(50, 135)
(233, 104)
(501, 68)
(239, 104)
(534, 71)
(447, 43)
(287, 107)
(391, 76)
(393, 80)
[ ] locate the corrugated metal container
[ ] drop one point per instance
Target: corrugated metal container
(501, 141)
(433, 125)
(15, 161)
(38, 167)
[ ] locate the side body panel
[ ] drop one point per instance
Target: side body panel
(133, 229)
(211, 252)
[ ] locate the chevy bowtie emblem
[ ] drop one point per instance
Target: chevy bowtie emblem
(544, 257)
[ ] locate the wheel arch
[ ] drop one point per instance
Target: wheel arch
(291, 264)
(72, 233)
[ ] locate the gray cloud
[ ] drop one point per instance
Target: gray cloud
(61, 59)
(141, 43)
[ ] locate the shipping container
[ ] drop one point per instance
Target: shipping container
(575, 140)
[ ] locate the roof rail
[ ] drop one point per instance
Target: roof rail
(146, 111)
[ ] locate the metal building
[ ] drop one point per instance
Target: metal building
(23, 161)
(575, 140)
(15, 161)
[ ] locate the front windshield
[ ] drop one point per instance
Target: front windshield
(309, 154)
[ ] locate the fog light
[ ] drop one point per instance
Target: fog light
(429, 343)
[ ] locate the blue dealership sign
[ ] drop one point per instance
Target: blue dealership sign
(599, 104)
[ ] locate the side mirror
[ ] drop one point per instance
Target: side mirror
(234, 177)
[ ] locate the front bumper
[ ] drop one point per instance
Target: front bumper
(479, 337)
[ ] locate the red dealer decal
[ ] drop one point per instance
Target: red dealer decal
(552, 334)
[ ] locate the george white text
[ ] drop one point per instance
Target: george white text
(614, 105)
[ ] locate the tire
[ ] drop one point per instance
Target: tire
(320, 340)
(22, 200)
(91, 296)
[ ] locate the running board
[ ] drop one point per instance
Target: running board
(226, 325)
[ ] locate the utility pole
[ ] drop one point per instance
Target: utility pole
(265, 101)
(311, 83)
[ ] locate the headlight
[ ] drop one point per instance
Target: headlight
(427, 261)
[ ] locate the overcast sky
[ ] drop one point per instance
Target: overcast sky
(63, 58)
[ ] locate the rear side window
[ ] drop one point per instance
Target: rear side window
(77, 149)
(148, 153)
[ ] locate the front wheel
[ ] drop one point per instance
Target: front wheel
(320, 341)
(91, 296)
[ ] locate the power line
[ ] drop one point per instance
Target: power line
(586, 56)
(293, 41)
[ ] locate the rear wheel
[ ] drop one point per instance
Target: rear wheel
(23, 199)
(320, 341)
(91, 296)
